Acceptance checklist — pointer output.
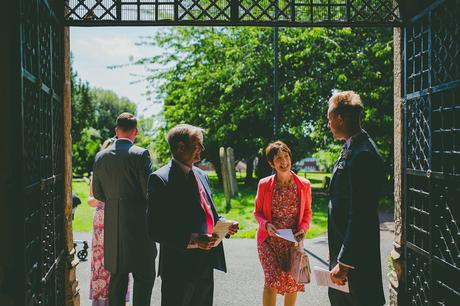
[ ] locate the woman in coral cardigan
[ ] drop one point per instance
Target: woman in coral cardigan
(283, 201)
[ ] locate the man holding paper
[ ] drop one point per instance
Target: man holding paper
(183, 219)
(353, 224)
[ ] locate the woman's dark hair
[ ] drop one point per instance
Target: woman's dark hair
(273, 148)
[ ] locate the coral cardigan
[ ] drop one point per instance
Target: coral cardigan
(263, 204)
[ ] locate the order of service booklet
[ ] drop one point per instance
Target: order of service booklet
(220, 229)
(322, 277)
(286, 234)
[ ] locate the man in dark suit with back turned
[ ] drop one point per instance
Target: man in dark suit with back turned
(181, 218)
(353, 225)
(120, 180)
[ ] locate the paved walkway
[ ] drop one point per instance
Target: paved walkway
(243, 284)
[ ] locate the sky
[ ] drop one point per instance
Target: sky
(96, 48)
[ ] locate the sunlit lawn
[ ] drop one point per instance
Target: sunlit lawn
(241, 207)
(83, 220)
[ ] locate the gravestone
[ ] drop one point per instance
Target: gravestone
(225, 177)
(231, 171)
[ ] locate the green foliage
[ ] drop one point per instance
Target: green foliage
(226, 97)
(221, 79)
(94, 113)
(84, 150)
(108, 106)
(325, 159)
(83, 108)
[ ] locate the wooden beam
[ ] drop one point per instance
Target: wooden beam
(72, 295)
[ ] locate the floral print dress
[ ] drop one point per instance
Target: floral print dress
(100, 277)
(274, 251)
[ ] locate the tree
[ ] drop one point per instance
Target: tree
(83, 108)
(94, 113)
(84, 151)
(221, 79)
(108, 106)
(85, 139)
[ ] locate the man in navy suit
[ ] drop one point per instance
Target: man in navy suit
(181, 218)
(353, 223)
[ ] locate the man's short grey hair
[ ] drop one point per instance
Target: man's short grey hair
(182, 132)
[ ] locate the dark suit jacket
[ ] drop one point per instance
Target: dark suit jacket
(174, 214)
(120, 180)
(353, 227)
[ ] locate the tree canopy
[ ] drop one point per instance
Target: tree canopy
(222, 80)
(94, 113)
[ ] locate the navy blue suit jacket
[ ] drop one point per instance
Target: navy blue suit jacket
(175, 212)
(353, 225)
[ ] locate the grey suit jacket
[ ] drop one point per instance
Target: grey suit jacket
(120, 180)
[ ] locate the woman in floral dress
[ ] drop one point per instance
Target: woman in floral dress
(100, 277)
(283, 201)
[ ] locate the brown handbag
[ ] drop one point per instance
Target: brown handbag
(299, 264)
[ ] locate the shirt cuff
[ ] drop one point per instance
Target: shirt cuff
(345, 265)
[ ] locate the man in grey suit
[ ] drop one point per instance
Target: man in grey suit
(120, 180)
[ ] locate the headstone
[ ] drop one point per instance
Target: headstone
(225, 177)
(231, 171)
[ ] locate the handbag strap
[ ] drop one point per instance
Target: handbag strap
(300, 245)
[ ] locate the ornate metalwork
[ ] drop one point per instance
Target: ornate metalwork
(43, 163)
(418, 142)
(446, 43)
(446, 132)
(233, 12)
(418, 213)
(417, 54)
(432, 154)
(418, 279)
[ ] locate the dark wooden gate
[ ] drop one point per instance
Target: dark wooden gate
(432, 154)
(32, 270)
(43, 155)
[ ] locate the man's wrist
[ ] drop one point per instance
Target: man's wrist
(193, 241)
(345, 266)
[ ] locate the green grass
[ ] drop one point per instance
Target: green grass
(316, 178)
(83, 219)
(241, 211)
(243, 206)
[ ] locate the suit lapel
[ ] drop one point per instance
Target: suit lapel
(355, 141)
(182, 181)
(359, 139)
(334, 171)
(178, 175)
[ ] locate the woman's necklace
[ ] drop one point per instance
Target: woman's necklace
(286, 182)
